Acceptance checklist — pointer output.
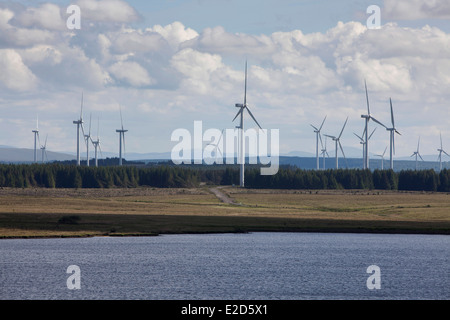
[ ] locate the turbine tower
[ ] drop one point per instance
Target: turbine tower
(441, 150)
(241, 127)
(382, 157)
(338, 142)
(96, 144)
(36, 139)
(317, 132)
(121, 137)
(44, 150)
(392, 131)
(87, 137)
(79, 124)
(417, 153)
(367, 118)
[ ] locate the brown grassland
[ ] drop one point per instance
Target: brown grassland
(27, 213)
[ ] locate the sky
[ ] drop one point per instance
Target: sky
(168, 63)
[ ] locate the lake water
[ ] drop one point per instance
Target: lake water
(256, 266)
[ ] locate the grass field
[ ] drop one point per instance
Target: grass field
(151, 211)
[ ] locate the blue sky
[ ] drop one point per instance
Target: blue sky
(170, 63)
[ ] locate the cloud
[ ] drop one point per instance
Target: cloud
(417, 9)
(132, 73)
(47, 16)
(15, 74)
(12, 36)
(115, 11)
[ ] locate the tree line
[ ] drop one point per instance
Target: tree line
(168, 176)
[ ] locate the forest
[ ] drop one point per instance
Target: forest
(59, 175)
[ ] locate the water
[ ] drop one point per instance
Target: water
(258, 266)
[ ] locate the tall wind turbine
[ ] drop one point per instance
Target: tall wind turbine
(417, 153)
(338, 142)
(363, 142)
(96, 144)
(79, 124)
(36, 139)
(121, 138)
(441, 150)
(317, 131)
(392, 131)
(241, 127)
(382, 157)
(87, 138)
(44, 149)
(367, 118)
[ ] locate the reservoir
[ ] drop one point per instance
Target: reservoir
(254, 266)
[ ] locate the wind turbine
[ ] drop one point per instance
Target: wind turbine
(441, 150)
(96, 144)
(317, 131)
(417, 153)
(121, 137)
(44, 149)
(363, 142)
(338, 142)
(392, 131)
(79, 124)
(87, 137)
(382, 157)
(324, 152)
(242, 107)
(36, 139)
(367, 118)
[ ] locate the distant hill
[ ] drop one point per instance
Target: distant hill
(18, 155)
(302, 160)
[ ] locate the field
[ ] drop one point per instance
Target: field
(40, 212)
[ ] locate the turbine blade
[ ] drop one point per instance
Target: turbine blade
(121, 120)
(446, 153)
(440, 134)
(320, 138)
(367, 98)
(420, 157)
(343, 128)
(81, 113)
(239, 112)
(384, 151)
(253, 117)
(245, 90)
(332, 137)
(378, 122)
(392, 114)
(314, 127)
(358, 136)
(221, 135)
(372, 133)
(90, 120)
(322, 123)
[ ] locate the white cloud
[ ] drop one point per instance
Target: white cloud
(107, 11)
(132, 73)
(47, 16)
(15, 74)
